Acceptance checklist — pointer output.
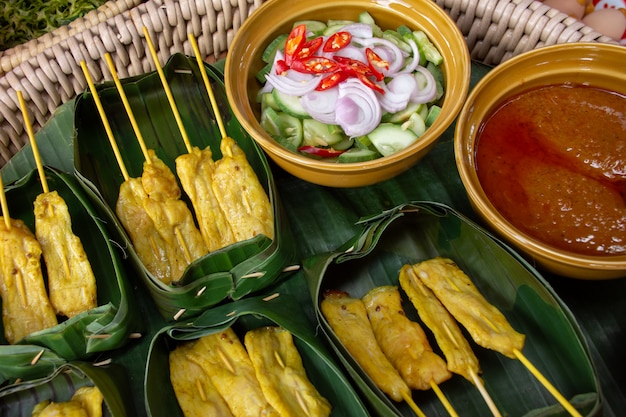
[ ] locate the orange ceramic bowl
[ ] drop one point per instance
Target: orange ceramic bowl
(278, 16)
(599, 65)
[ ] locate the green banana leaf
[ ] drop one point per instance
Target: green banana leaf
(19, 399)
(102, 328)
(245, 315)
(220, 275)
(414, 232)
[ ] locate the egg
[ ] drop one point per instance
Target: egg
(609, 22)
(573, 8)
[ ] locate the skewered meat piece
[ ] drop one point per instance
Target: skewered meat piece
(159, 223)
(459, 355)
(195, 171)
(281, 374)
(86, 402)
(347, 316)
(25, 304)
(223, 357)
(71, 282)
(149, 244)
(484, 322)
(195, 393)
(240, 194)
(403, 341)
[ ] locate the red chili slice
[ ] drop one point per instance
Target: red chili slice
(337, 41)
(314, 65)
(354, 65)
(369, 83)
(294, 42)
(309, 48)
(321, 152)
(332, 80)
(281, 67)
(376, 63)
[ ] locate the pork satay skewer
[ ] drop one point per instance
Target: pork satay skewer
(160, 183)
(459, 355)
(405, 344)
(347, 317)
(195, 170)
(485, 323)
(25, 304)
(71, 281)
(154, 247)
(235, 184)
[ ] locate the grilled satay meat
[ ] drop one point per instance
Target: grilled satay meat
(148, 243)
(71, 281)
(195, 171)
(91, 399)
(347, 317)
(484, 322)
(402, 340)
(196, 395)
(281, 374)
(240, 194)
(160, 225)
(86, 402)
(25, 304)
(457, 351)
(223, 357)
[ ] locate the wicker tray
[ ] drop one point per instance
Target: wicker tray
(47, 69)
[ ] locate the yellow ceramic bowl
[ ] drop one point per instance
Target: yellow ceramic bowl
(599, 65)
(277, 16)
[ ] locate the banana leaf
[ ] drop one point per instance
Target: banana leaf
(105, 327)
(19, 399)
(218, 276)
(243, 315)
(414, 232)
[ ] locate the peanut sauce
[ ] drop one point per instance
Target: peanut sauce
(552, 160)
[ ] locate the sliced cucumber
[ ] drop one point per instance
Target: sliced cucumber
(260, 76)
(435, 70)
(289, 104)
(403, 115)
(427, 48)
(284, 128)
(317, 27)
(364, 142)
(358, 155)
(267, 100)
(320, 134)
(416, 124)
(365, 17)
(389, 138)
(396, 39)
(433, 112)
(335, 26)
(275, 45)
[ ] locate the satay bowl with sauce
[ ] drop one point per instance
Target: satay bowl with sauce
(540, 146)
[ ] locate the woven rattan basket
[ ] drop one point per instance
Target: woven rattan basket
(47, 69)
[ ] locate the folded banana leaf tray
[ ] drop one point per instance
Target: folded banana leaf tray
(131, 373)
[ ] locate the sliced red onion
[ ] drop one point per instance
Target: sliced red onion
(321, 104)
(286, 85)
(359, 30)
(424, 93)
(358, 111)
(388, 51)
(398, 93)
(352, 52)
(415, 59)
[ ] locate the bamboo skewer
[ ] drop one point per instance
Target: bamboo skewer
(4, 204)
(129, 110)
(105, 122)
(168, 91)
(444, 400)
(537, 374)
(207, 85)
(33, 143)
